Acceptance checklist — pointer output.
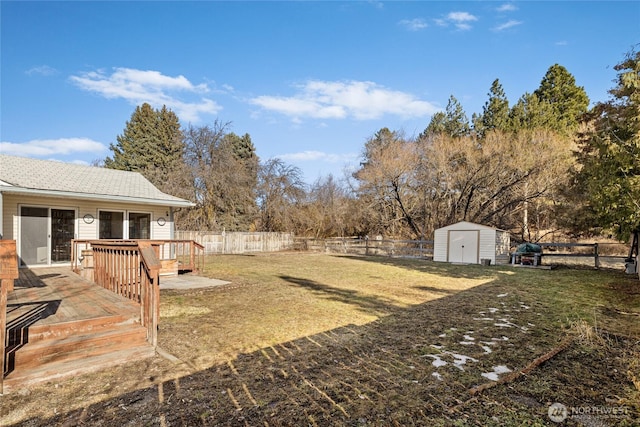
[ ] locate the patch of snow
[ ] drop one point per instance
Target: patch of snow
(442, 335)
(469, 338)
(486, 349)
(484, 318)
(497, 370)
(493, 309)
(503, 295)
(500, 339)
(437, 375)
(436, 346)
(506, 323)
(466, 342)
(437, 362)
(503, 325)
(460, 359)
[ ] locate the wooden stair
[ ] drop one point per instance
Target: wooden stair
(44, 352)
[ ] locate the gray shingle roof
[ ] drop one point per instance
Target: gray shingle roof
(47, 175)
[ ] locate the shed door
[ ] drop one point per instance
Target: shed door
(463, 246)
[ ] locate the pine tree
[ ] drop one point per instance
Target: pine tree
(530, 113)
(151, 143)
(609, 176)
(495, 112)
(452, 122)
(566, 101)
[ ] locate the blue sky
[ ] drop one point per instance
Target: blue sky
(309, 81)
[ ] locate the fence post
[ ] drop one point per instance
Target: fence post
(597, 258)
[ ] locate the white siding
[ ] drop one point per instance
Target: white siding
(488, 245)
(84, 230)
(10, 216)
(440, 245)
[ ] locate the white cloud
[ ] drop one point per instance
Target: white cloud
(416, 24)
(507, 7)
(509, 24)
(51, 147)
(561, 43)
(43, 70)
(138, 86)
(315, 156)
(360, 100)
(461, 20)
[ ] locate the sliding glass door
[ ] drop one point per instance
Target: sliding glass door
(45, 235)
(34, 235)
(63, 230)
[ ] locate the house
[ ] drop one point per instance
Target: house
(45, 204)
(470, 243)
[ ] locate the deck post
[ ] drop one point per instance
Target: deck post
(8, 273)
(596, 256)
(150, 301)
(192, 254)
(4, 285)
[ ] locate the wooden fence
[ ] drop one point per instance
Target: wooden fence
(577, 253)
(238, 242)
(360, 246)
(553, 253)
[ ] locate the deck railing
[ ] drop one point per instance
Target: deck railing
(8, 273)
(188, 254)
(131, 269)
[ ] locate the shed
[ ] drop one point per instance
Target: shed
(470, 243)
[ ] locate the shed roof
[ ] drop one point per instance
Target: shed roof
(58, 179)
(466, 225)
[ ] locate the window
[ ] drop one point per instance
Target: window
(111, 225)
(139, 225)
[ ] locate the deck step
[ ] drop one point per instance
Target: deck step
(58, 331)
(74, 347)
(67, 368)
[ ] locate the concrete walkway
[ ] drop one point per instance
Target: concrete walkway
(189, 281)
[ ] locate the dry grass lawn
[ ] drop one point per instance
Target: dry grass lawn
(316, 339)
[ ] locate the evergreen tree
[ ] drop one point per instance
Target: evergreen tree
(529, 113)
(224, 169)
(452, 122)
(566, 101)
(436, 126)
(456, 123)
(609, 173)
(495, 112)
(151, 143)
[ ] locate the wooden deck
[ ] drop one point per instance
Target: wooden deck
(61, 324)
